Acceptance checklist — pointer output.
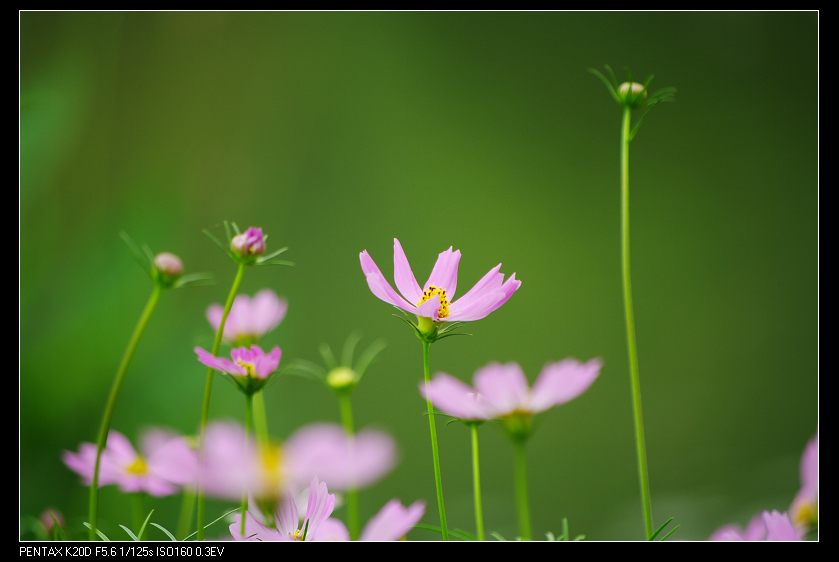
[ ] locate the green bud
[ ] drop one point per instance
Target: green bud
(167, 268)
(632, 95)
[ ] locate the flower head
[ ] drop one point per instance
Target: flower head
(250, 318)
(768, 526)
(250, 367)
(166, 463)
(287, 519)
(168, 268)
(434, 302)
(249, 243)
(502, 392)
(804, 510)
(325, 450)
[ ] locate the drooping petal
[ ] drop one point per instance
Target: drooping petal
(444, 274)
(403, 276)
(379, 285)
(454, 397)
(393, 521)
(219, 363)
(562, 381)
(504, 386)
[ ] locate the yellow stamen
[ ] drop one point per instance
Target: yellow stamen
(248, 367)
(441, 294)
(138, 467)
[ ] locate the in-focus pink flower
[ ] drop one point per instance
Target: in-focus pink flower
(166, 463)
(434, 301)
(804, 510)
(287, 519)
(502, 391)
(768, 526)
(249, 243)
(325, 450)
(250, 368)
(250, 318)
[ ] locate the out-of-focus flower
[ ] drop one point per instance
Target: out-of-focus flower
(49, 517)
(768, 526)
(166, 463)
(393, 521)
(167, 268)
(249, 318)
(250, 368)
(287, 519)
(249, 243)
(325, 450)
(502, 392)
(434, 302)
(804, 510)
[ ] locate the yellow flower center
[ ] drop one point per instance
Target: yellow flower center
(440, 292)
(271, 464)
(138, 467)
(805, 514)
(248, 367)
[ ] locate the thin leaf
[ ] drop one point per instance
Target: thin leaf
(657, 531)
(550, 536)
(149, 253)
(328, 357)
(349, 349)
(57, 531)
(565, 534)
(308, 368)
(457, 533)
(195, 280)
(138, 255)
(145, 524)
(368, 356)
(671, 532)
(98, 532)
(238, 232)
(274, 262)
(207, 526)
(497, 536)
(168, 534)
(130, 534)
(224, 248)
(579, 537)
(272, 254)
(227, 231)
(609, 87)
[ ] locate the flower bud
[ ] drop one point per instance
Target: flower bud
(632, 95)
(341, 378)
(249, 243)
(49, 517)
(168, 268)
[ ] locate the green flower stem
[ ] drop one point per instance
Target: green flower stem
(112, 399)
(522, 505)
(260, 420)
(208, 389)
(630, 328)
(138, 513)
(437, 479)
(352, 493)
(248, 424)
(187, 508)
(476, 481)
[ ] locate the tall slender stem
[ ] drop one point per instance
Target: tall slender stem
(522, 504)
(437, 479)
(111, 403)
(138, 513)
(208, 389)
(630, 328)
(476, 482)
(352, 494)
(248, 424)
(260, 419)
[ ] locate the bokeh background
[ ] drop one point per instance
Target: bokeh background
(336, 132)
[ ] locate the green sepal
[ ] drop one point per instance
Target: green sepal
(141, 257)
(661, 528)
(194, 280)
(208, 525)
(168, 534)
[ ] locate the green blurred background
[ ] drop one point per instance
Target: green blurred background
(336, 132)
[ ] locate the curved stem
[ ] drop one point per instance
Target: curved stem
(630, 329)
(248, 423)
(522, 504)
(437, 478)
(208, 389)
(476, 482)
(352, 493)
(111, 403)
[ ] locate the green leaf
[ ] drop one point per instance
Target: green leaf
(208, 525)
(195, 280)
(611, 87)
(348, 349)
(225, 249)
(274, 262)
(456, 533)
(671, 532)
(368, 357)
(145, 524)
(272, 254)
(138, 255)
(168, 534)
(130, 534)
(328, 357)
(98, 532)
(657, 531)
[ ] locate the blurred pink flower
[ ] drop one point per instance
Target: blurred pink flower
(766, 526)
(393, 521)
(804, 510)
(324, 450)
(502, 390)
(250, 318)
(435, 300)
(319, 508)
(166, 463)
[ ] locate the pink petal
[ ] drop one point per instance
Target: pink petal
(379, 285)
(254, 530)
(219, 363)
(286, 517)
(562, 381)
(393, 521)
(403, 276)
(267, 364)
(453, 397)
(267, 311)
(478, 307)
(331, 529)
(504, 386)
(779, 527)
(444, 274)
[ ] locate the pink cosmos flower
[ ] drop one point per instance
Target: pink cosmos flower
(769, 526)
(249, 243)
(287, 519)
(249, 318)
(393, 521)
(325, 450)
(166, 463)
(435, 299)
(502, 390)
(804, 510)
(250, 368)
